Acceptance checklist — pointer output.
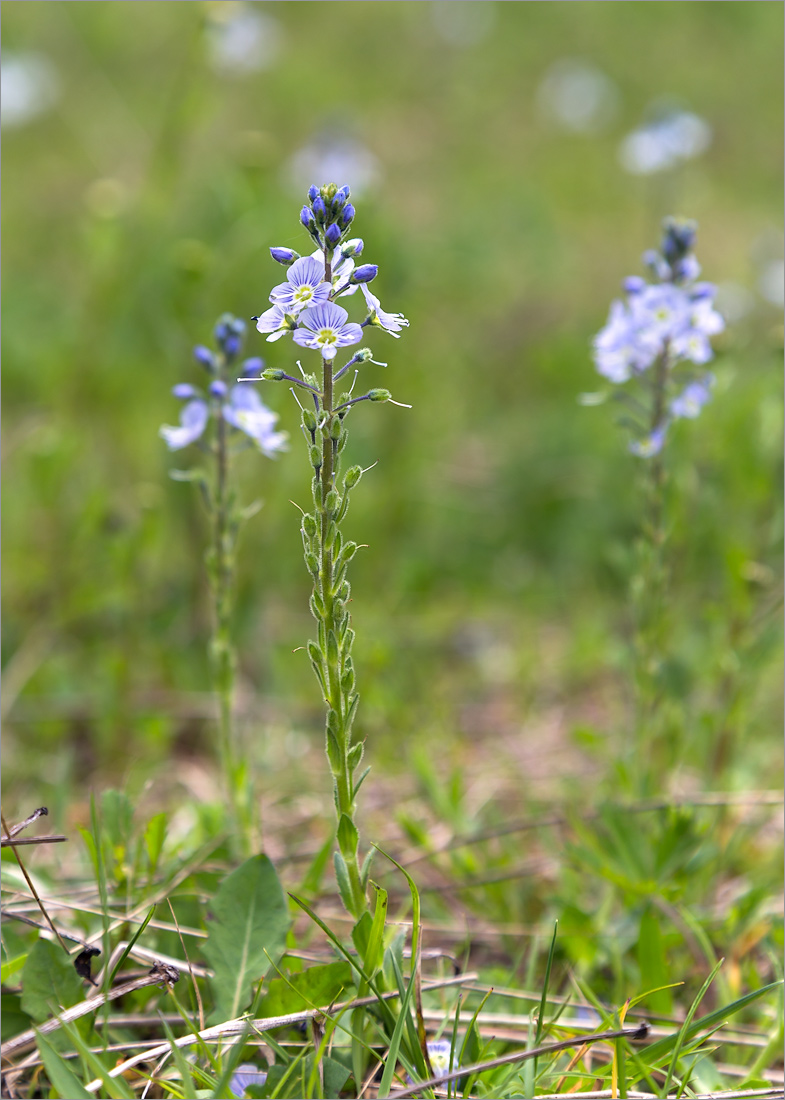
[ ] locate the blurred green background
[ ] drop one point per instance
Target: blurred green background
(152, 154)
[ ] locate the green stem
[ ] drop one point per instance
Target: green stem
(222, 650)
(335, 643)
(649, 583)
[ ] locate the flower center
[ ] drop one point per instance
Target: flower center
(326, 336)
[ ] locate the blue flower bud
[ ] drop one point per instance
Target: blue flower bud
(183, 390)
(313, 192)
(365, 273)
(354, 247)
(218, 388)
(333, 235)
(306, 217)
(347, 215)
(341, 197)
(231, 345)
(634, 284)
(319, 209)
(285, 256)
(223, 327)
(678, 238)
(204, 356)
(251, 367)
(237, 326)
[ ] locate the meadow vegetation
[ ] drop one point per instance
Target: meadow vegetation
(570, 898)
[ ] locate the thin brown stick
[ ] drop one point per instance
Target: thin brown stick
(29, 881)
(639, 1032)
(52, 839)
(245, 1026)
(161, 972)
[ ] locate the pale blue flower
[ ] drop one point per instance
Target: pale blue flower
(324, 328)
(276, 321)
(390, 322)
(624, 347)
(304, 286)
(660, 310)
(439, 1055)
(193, 421)
(246, 411)
(341, 269)
(693, 397)
(245, 1075)
(651, 444)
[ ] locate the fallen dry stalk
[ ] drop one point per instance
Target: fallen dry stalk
(243, 1026)
(639, 1032)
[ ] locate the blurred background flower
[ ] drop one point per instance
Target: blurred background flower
(241, 39)
(29, 86)
(671, 137)
(578, 96)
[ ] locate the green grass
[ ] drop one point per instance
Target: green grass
(491, 606)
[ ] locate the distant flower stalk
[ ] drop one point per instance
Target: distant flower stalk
(658, 340)
(655, 348)
(222, 419)
(305, 305)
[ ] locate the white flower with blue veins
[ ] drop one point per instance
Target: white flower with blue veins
(390, 322)
(324, 328)
(304, 286)
(244, 411)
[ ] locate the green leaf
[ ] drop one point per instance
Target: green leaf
(64, 1080)
(335, 1076)
(13, 966)
(653, 963)
(247, 932)
(154, 836)
(49, 981)
(348, 837)
(115, 1087)
(375, 949)
(197, 474)
(117, 817)
(130, 945)
(342, 878)
(661, 1047)
(12, 1019)
(361, 934)
(317, 986)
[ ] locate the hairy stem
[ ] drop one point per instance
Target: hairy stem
(221, 570)
(649, 584)
(335, 640)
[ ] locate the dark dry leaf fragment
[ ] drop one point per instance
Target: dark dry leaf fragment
(83, 963)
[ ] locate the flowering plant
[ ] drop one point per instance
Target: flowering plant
(305, 305)
(235, 411)
(659, 340)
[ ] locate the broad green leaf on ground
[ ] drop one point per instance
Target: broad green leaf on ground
(318, 985)
(49, 981)
(247, 931)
